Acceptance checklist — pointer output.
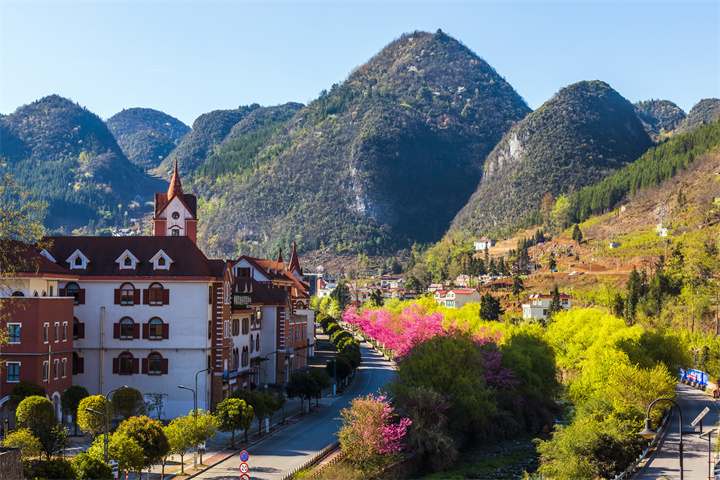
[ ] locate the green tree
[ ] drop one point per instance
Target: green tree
(256, 401)
(28, 444)
(234, 414)
(518, 286)
(490, 309)
(635, 289)
(412, 284)
(178, 438)
(37, 414)
(128, 402)
(122, 448)
(90, 422)
(376, 298)
(322, 381)
(21, 390)
(204, 428)
(341, 296)
(577, 234)
(149, 436)
(302, 386)
(55, 469)
(88, 467)
(555, 304)
(70, 401)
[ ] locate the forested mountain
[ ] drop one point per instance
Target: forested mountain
(704, 112)
(237, 150)
(659, 116)
(208, 131)
(67, 156)
(146, 136)
(584, 133)
(379, 161)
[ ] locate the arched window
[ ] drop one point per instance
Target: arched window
(155, 329)
(127, 326)
(78, 365)
(125, 363)
(245, 358)
(127, 294)
(155, 294)
(252, 344)
(73, 290)
(18, 293)
(35, 294)
(128, 262)
(257, 341)
(245, 326)
(78, 329)
(155, 361)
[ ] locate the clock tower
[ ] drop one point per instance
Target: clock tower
(175, 211)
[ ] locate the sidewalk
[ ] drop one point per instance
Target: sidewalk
(218, 449)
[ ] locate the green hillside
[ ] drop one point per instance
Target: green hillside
(659, 117)
(146, 136)
(384, 159)
(580, 136)
(704, 112)
(68, 157)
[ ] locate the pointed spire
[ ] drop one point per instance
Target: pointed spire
(280, 256)
(175, 185)
(294, 262)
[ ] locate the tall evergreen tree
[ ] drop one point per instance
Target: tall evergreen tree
(555, 304)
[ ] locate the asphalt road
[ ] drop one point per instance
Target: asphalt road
(665, 462)
(288, 449)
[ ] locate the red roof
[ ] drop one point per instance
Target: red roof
(188, 259)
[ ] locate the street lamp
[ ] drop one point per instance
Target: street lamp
(195, 410)
(266, 357)
(709, 435)
(107, 418)
(649, 433)
(196, 386)
(90, 410)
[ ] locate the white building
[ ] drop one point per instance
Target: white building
(483, 244)
(539, 304)
(456, 298)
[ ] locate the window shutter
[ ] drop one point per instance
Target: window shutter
(81, 297)
(80, 365)
(136, 330)
(116, 330)
(116, 365)
(145, 366)
(81, 330)
(146, 296)
(136, 297)
(117, 296)
(164, 366)
(146, 330)
(166, 296)
(136, 365)
(165, 331)
(61, 292)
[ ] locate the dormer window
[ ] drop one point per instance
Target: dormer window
(161, 261)
(77, 261)
(127, 261)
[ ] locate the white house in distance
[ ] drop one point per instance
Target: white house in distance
(483, 244)
(456, 298)
(539, 305)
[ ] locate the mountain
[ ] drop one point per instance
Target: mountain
(234, 153)
(146, 136)
(208, 131)
(704, 112)
(581, 135)
(382, 160)
(659, 116)
(68, 157)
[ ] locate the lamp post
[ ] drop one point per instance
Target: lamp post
(196, 386)
(649, 433)
(195, 411)
(90, 410)
(266, 357)
(107, 418)
(709, 437)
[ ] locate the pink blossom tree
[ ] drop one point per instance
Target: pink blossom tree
(369, 435)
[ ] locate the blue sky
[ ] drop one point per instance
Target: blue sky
(187, 58)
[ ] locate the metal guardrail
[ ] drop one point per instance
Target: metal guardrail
(313, 460)
(631, 469)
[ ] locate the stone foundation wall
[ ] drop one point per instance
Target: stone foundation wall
(11, 467)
